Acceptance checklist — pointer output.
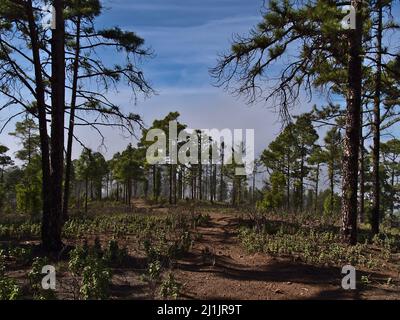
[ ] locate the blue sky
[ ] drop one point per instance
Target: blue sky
(186, 37)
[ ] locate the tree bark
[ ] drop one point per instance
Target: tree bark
(44, 139)
(154, 182)
(332, 186)
(316, 188)
(352, 134)
(68, 165)
(362, 174)
(375, 213)
(221, 177)
(170, 183)
(302, 184)
(53, 231)
(86, 192)
(392, 194)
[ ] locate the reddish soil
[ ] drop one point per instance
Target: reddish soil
(219, 268)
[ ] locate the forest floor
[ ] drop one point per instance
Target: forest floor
(230, 272)
(217, 265)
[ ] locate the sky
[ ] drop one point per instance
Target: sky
(186, 37)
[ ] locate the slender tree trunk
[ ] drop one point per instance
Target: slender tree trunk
(129, 191)
(200, 173)
(146, 188)
(362, 177)
(29, 145)
(253, 188)
(68, 165)
(215, 182)
(316, 189)
(44, 140)
(193, 180)
(170, 183)
(107, 183)
(332, 187)
(392, 194)
(221, 177)
(155, 182)
(375, 212)
(352, 135)
(180, 178)
(91, 190)
(302, 184)
(57, 127)
(288, 187)
(86, 193)
(174, 183)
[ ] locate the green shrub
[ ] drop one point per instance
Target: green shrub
(310, 246)
(170, 288)
(78, 259)
(35, 277)
(113, 255)
(96, 278)
(154, 270)
(9, 290)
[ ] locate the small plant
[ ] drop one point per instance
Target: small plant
(153, 251)
(78, 259)
(96, 279)
(9, 290)
(22, 256)
(113, 255)
(170, 288)
(154, 270)
(91, 265)
(96, 249)
(308, 245)
(35, 277)
(201, 220)
(365, 280)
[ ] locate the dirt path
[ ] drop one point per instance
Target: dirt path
(219, 268)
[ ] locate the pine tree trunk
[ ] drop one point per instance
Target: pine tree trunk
(44, 140)
(316, 189)
(68, 164)
(288, 187)
(180, 183)
(215, 182)
(86, 192)
(362, 177)
(253, 187)
(392, 194)
(332, 188)
(302, 184)
(375, 213)
(154, 182)
(174, 183)
(352, 134)
(221, 177)
(170, 183)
